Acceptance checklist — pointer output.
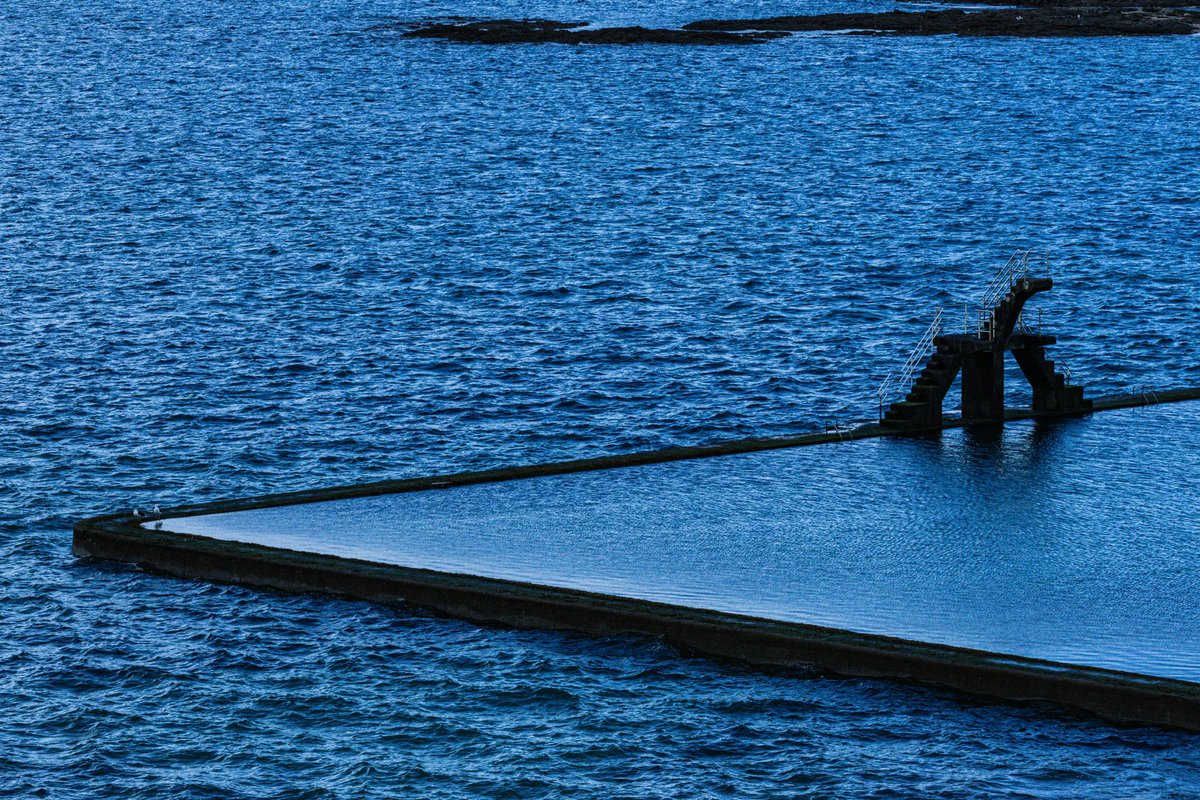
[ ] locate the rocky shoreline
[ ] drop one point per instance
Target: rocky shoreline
(1038, 18)
(1025, 21)
(511, 31)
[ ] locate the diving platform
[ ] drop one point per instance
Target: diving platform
(979, 356)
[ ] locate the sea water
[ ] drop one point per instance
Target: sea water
(251, 247)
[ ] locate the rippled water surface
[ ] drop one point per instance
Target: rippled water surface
(249, 246)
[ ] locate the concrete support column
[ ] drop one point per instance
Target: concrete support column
(983, 386)
(1046, 395)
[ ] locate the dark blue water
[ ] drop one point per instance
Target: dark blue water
(247, 247)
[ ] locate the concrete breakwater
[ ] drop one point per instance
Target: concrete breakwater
(738, 629)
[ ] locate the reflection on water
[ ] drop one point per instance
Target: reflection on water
(1072, 541)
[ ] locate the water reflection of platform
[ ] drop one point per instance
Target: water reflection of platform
(1075, 541)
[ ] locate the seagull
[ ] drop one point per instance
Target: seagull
(157, 513)
(137, 513)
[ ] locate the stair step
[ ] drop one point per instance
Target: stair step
(905, 409)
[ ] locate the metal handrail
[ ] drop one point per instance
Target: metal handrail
(921, 352)
(1002, 281)
(842, 429)
(881, 392)
(1016, 268)
(1029, 330)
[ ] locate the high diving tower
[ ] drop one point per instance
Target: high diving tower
(979, 355)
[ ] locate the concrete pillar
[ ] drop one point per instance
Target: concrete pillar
(1046, 394)
(983, 386)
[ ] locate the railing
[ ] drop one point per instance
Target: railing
(1148, 395)
(1027, 329)
(843, 430)
(918, 356)
(882, 392)
(1017, 268)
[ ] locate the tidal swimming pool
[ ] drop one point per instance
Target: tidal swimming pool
(1073, 541)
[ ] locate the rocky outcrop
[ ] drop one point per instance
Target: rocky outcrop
(1038, 18)
(1043, 20)
(511, 31)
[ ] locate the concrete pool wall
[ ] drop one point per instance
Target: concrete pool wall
(1115, 694)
